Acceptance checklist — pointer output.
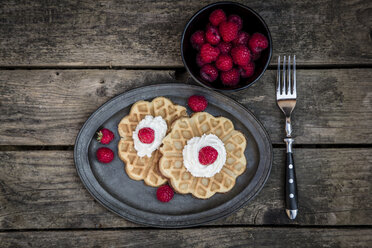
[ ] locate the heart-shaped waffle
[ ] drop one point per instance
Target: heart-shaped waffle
(145, 168)
(171, 161)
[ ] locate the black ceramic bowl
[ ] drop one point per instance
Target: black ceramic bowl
(252, 23)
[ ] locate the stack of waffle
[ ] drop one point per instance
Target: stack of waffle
(166, 163)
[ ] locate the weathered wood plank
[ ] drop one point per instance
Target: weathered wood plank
(211, 237)
(41, 189)
(131, 33)
(48, 107)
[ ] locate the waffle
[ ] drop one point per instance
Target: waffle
(171, 162)
(145, 168)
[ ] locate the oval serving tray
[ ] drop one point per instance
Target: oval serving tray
(133, 200)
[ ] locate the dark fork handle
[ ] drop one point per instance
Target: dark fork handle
(291, 196)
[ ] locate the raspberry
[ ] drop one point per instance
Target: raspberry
(212, 36)
(208, 73)
(228, 31)
(241, 55)
(258, 42)
(242, 39)
(197, 39)
(164, 193)
(231, 77)
(255, 56)
(197, 103)
(199, 61)
(224, 62)
(217, 16)
(105, 155)
(247, 70)
(105, 136)
(236, 19)
(224, 47)
(207, 155)
(146, 135)
(209, 53)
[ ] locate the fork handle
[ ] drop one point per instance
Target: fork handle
(291, 196)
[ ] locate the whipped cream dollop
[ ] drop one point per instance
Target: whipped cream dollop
(159, 125)
(191, 155)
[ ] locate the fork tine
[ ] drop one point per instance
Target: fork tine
(289, 90)
(278, 77)
(283, 90)
(294, 75)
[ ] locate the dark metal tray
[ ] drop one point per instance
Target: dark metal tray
(133, 200)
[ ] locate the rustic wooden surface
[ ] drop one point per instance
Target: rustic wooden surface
(333, 185)
(59, 61)
(196, 237)
(54, 104)
(131, 33)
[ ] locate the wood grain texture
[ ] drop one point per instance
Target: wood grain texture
(131, 33)
(48, 107)
(211, 237)
(41, 190)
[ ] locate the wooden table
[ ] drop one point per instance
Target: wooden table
(61, 60)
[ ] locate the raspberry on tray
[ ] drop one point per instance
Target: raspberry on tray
(164, 193)
(105, 136)
(104, 155)
(197, 103)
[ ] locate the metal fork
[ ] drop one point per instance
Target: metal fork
(286, 95)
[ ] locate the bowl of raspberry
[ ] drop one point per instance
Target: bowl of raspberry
(226, 46)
